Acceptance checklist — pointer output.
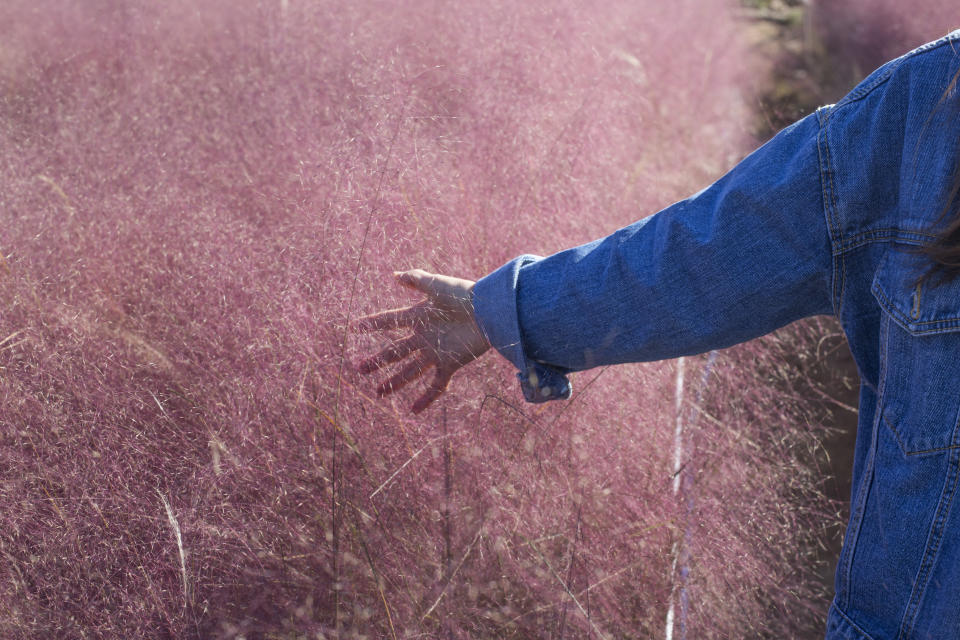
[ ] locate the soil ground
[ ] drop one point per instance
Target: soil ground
(804, 76)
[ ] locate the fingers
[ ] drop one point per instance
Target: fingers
(436, 388)
(439, 325)
(454, 292)
(394, 353)
(410, 372)
(392, 319)
(416, 279)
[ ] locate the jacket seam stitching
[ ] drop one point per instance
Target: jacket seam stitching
(829, 210)
(886, 235)
(847, 619)
(858, 507)
(935, 537)
(902, 444)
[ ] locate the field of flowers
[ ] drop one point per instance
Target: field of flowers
(198, 200)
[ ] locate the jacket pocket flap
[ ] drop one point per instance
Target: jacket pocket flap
(921, 308)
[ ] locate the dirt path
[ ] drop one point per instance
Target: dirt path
(802, 78)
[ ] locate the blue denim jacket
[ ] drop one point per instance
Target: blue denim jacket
(823, 219)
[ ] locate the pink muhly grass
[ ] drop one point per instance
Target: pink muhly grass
(863, 34)
(186, 449)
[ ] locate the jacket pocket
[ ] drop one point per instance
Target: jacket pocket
(920, 351)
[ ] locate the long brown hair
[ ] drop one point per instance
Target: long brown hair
(945, 250)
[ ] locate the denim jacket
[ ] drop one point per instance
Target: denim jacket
(823, 219)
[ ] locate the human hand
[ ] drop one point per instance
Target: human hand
(445, 335)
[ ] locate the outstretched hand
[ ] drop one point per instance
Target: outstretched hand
(444, 335)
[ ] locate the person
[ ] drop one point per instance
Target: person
(851, 211)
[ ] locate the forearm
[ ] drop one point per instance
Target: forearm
(739, 259)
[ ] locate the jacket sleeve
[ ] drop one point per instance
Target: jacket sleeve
(743, 257)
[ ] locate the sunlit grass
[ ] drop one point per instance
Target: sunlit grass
(198, 199)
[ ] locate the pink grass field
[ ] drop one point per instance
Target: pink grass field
(198, 199)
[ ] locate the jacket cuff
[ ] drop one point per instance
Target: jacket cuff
(495, 310)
